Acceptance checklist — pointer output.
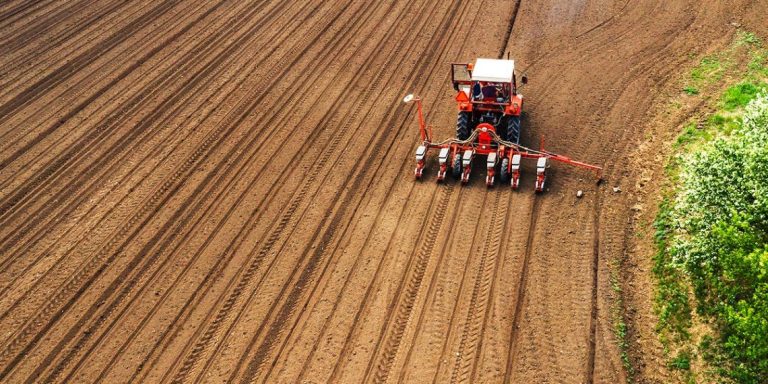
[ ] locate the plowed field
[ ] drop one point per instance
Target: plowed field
(211, 191)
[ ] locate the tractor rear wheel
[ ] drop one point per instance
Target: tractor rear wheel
(456, 170)
(501, 129)
(462, 125)
(513, 129)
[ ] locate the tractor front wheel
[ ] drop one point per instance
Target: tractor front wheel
(456, 166)
(504, 171)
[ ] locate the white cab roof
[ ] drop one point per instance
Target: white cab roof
(496, 71)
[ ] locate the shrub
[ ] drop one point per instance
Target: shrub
(719, 234)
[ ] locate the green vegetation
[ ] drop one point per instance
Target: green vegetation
(714, 236)
(757, 63)
(691, 133)
(712, 68)
(711, 231)
(709, 68)
(682, 361)
(673, 307)
(739, 95)
(691, 90)
(747, 38)
(619, 326)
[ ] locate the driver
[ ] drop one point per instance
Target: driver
(489, 91)
(477, 90)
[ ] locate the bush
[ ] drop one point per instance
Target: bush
(719, 225)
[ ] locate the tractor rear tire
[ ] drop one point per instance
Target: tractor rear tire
(513, 129)
(503, 174)
(456, 169)
(501, 129)
(462, 125)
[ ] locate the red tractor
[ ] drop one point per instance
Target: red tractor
(488, 124)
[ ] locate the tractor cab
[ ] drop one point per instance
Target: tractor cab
(487, 81)
(487, 94)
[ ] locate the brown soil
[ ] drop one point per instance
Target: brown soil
(222, 191)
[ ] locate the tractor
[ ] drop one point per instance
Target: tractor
(488, 124)
(487, 93)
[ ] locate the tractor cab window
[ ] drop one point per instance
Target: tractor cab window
(502, 91)
(489, 91)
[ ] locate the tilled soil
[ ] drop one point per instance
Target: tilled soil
(222, 190)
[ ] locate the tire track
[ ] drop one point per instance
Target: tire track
(181, 223)
(37, 54)
(46, 22)
(405, 165)
(648, 57)
(404, 169)
(296, 201)
(466, 210)
(259, 358)
(97, 265)
(466, 356)
(336, 372)
(114, 156)
(649, 64)
(203, 343)
(20, 10)
(55, 115)
(408, 296)
(488, 364)
(590, 369)
(364, 302)
(142, 131)
(75, 65)
(471, 210)
(520, 296)
(510, 26)
(220, 345)
(439, 282)
(644, 63)
(215, 270)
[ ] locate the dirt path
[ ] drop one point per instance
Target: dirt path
(222, 191)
